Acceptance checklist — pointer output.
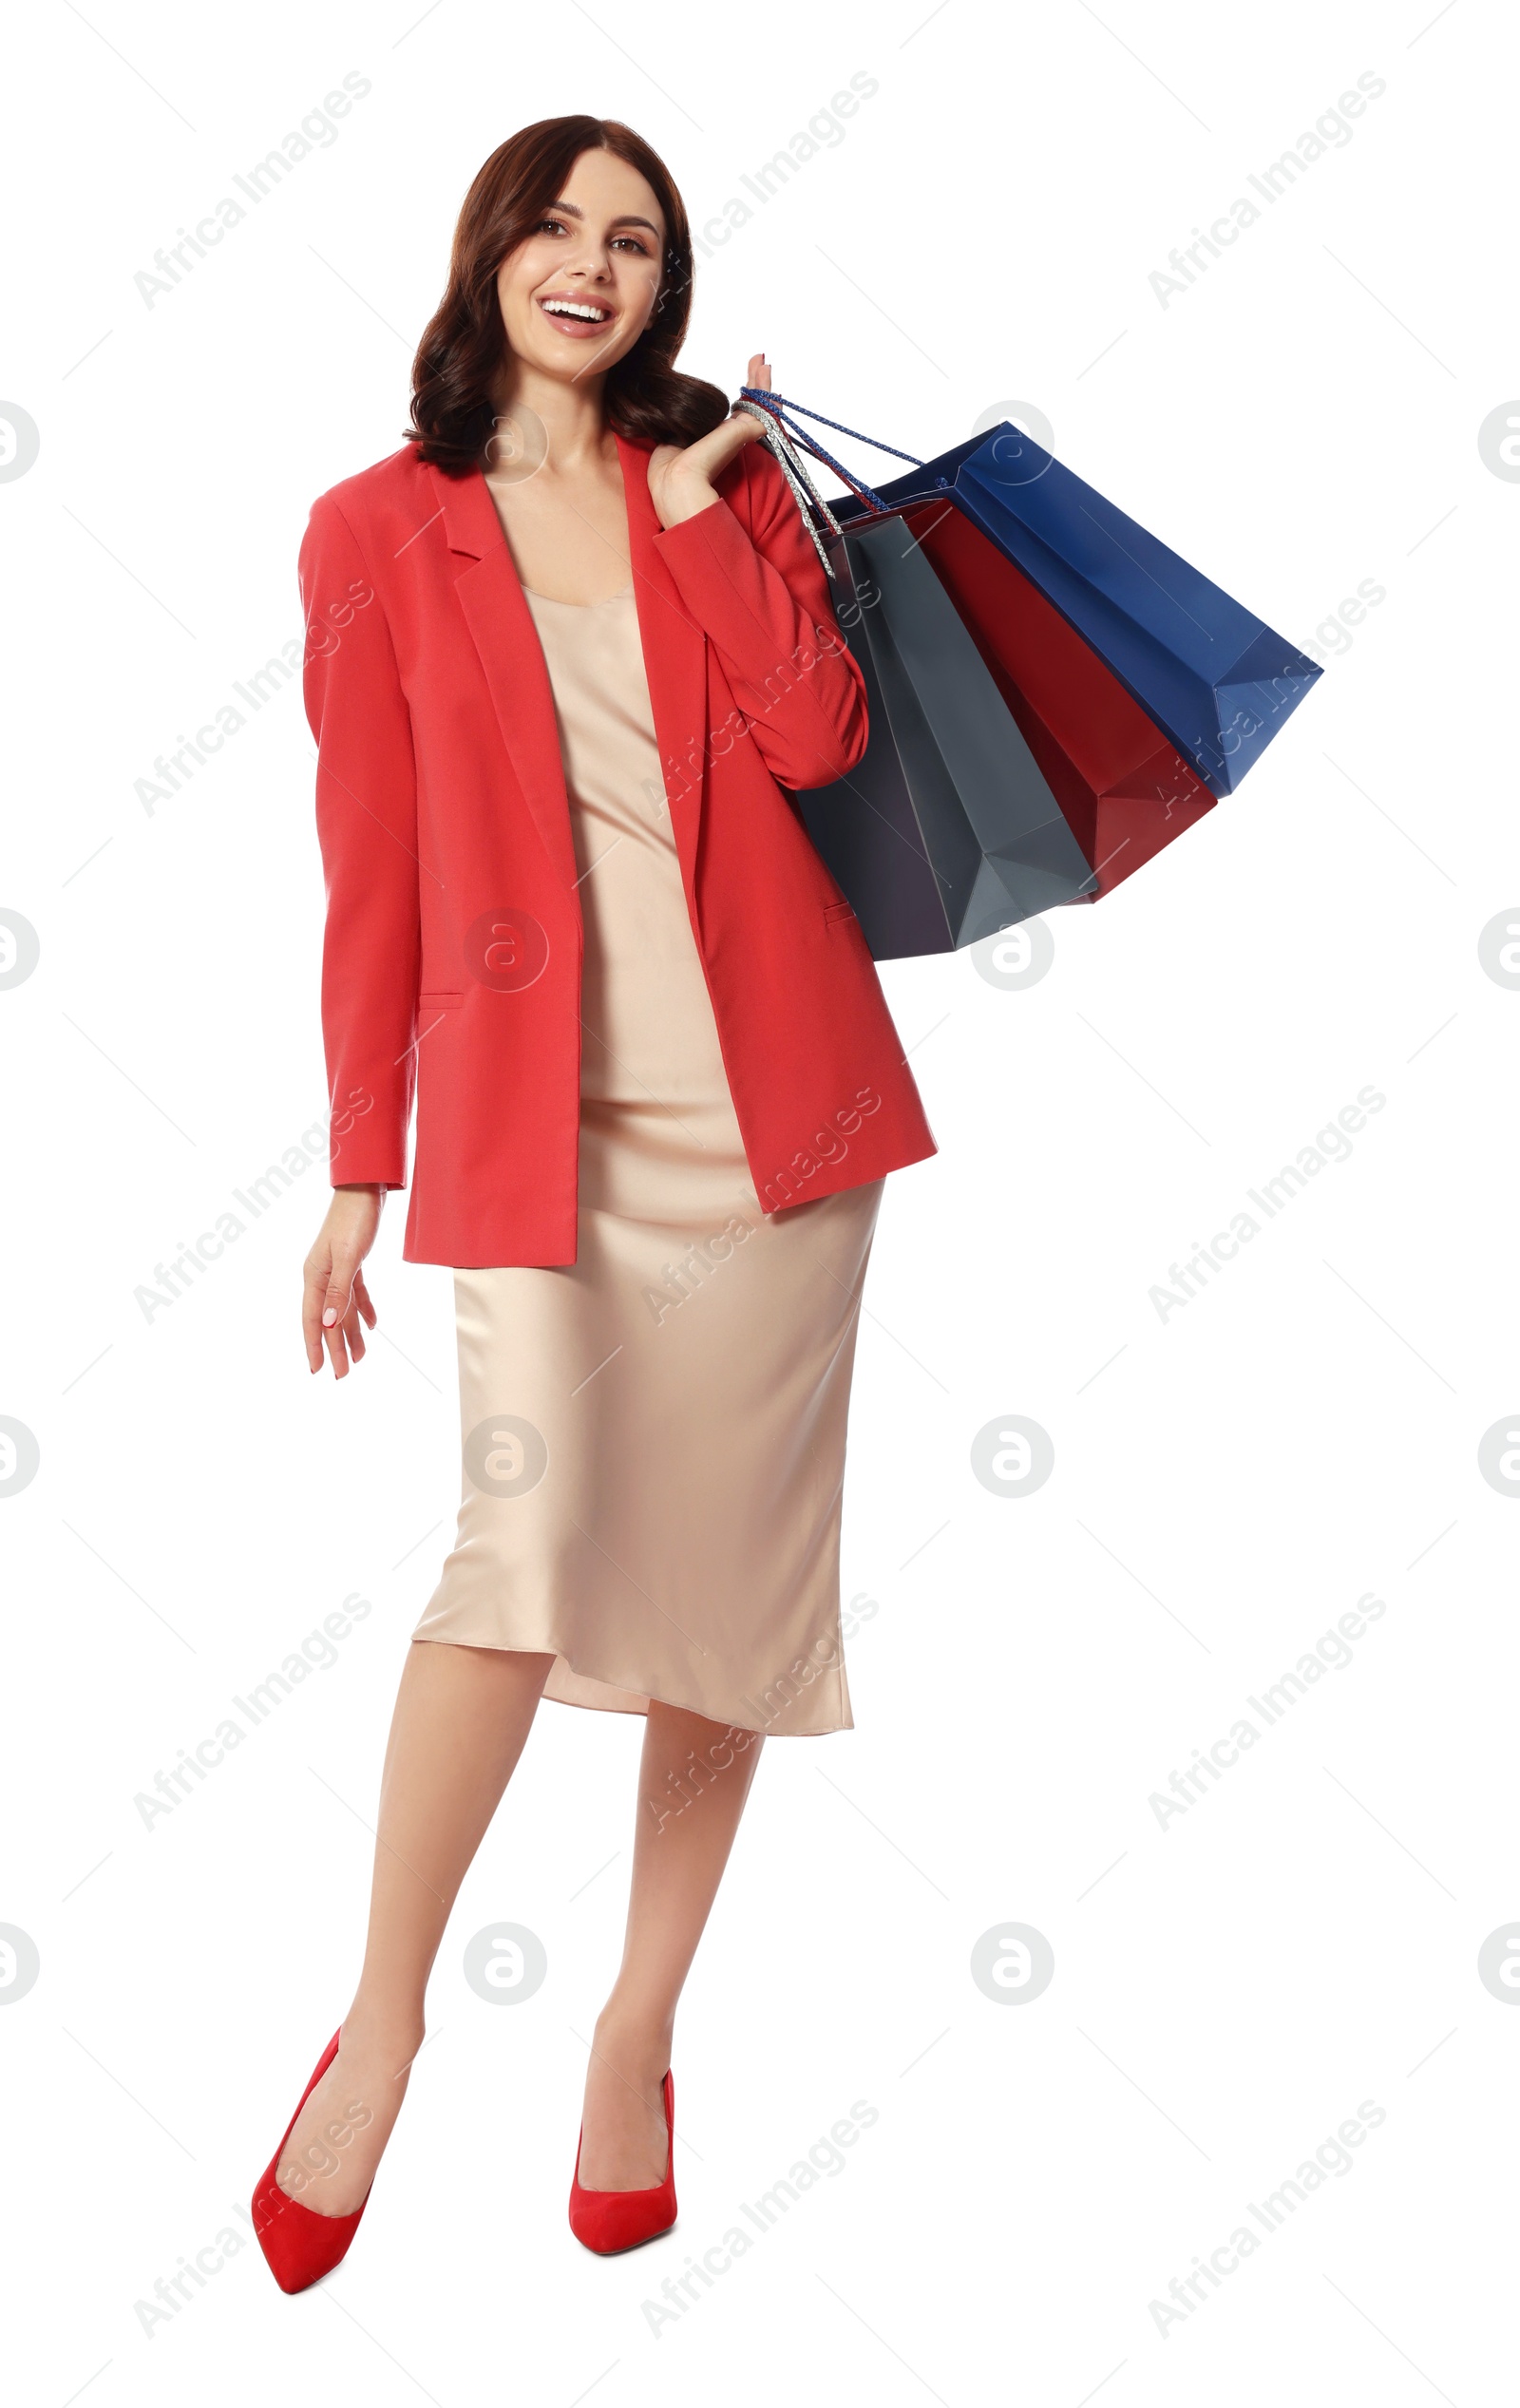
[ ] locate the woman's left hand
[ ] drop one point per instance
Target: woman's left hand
(680, 477)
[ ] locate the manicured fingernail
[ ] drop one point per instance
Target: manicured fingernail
(328, 1318)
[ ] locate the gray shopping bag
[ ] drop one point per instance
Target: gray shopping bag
(945, 831)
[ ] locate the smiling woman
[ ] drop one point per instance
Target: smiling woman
(518, 222)
(571, 908)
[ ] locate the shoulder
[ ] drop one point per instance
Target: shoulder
(382, 504)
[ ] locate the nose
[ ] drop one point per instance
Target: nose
(590, 258)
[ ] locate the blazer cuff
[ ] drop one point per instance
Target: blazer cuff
(366, 1138)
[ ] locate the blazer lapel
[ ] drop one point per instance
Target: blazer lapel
(675, 660)
(505, 636)
(500, 623)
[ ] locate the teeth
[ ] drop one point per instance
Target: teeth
(574, 309)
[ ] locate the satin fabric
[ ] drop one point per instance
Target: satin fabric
(653, 1437)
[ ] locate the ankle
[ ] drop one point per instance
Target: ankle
(638, 2044)
(383, 2033)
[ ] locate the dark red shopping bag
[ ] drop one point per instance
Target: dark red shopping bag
(1124, 790)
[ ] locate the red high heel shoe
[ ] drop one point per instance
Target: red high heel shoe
(301, 2246)
(610, 2221)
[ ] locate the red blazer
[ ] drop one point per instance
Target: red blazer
(451, 962)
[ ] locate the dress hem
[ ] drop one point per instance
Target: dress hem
(592, 1705)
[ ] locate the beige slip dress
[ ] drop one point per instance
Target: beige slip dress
(653, 1437)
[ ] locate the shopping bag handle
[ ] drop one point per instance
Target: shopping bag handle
(776, 408)
(812, 508)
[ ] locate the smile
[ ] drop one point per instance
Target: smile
(578, 319)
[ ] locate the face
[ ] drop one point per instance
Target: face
(578, 292)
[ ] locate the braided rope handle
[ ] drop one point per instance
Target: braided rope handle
(784, 438)
(778, 407)
(803, 492)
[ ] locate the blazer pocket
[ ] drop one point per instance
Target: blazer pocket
(834, 912)
(437, 999)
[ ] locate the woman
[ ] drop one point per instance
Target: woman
(561, 649)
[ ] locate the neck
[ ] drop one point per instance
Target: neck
(571, 415)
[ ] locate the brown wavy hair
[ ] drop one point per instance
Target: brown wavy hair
(458, 359)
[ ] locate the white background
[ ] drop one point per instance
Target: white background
(1229, 1989)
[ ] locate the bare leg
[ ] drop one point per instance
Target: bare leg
(460, 1720)
(693, 1778)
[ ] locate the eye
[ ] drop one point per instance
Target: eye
(556, 225)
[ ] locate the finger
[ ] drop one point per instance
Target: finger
(713, 454)
(353, 1332)
(340, 1286)
(361, 1297)
(317, 1271)
(335, 1308)
(738, 429)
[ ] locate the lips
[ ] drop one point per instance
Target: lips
(569, 320)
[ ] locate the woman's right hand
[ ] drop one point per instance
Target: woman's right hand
(335, 1299)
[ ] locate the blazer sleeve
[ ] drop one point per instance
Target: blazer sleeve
(747, 570)
(366, 827)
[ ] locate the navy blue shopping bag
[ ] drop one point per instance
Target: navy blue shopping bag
(1216, 680)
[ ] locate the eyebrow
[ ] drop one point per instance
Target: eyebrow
(569, 210)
